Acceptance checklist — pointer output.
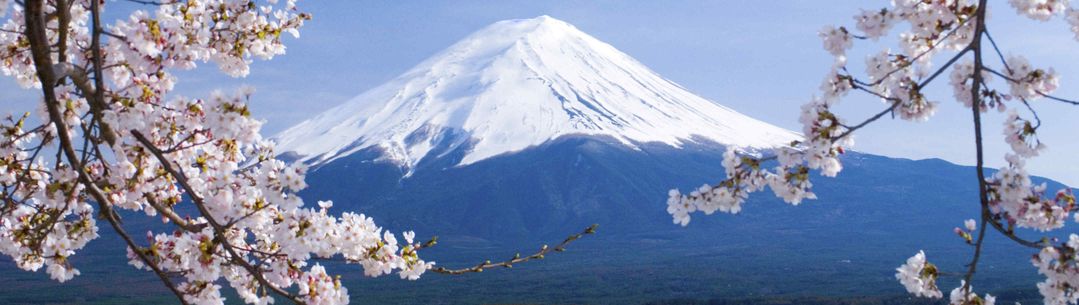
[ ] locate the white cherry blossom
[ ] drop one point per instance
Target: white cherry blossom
(919, 277)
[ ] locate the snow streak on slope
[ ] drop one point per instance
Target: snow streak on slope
(517, 84)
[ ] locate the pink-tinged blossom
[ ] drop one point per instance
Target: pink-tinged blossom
(1030, 83)
(1061, 273)
(836, 41)
(961, 80)
(1021, 136)
(1072, 17)
(875, 23)
(1041, 10)
(835, 86)
(1014, 196)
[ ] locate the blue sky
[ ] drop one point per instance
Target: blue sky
(762, 58)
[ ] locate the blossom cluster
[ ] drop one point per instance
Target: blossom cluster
(892, 76)
(1059, 266)
(919, 276)
(964, 295)
(1029, 82)
(897, 78)
(198, 164)
(962, 82)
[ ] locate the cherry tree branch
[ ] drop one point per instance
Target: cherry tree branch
(63, 13)
(219, 230)
(1011, 235)
(97, 103)
(983, 189)
(172, 216)
(517, 258)
(35, 32)
(851, 129)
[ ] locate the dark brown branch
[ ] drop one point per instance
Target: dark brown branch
(64, 14)
(1011, 235)
(983, 189)
(950, 62)
(997, 49)
(150, 2)
(1037, 119)
(98, 103)
(851, 129)
(518, 258)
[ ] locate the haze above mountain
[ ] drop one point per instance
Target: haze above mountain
(517, 84)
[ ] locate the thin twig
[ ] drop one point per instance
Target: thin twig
(1010, 79)
(544, 250)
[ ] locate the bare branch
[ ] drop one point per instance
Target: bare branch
(517, 258)
(851, 129)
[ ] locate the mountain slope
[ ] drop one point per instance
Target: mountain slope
(517, 84)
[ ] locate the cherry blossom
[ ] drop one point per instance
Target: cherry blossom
(963, 296)
(875, 23)
(919, 277)
(1021, 136)
(129, 145)
(1041, 10)
(1030, 83)
(1008, 198)
(1072, 16)
(836, 40)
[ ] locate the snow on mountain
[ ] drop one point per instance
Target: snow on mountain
(516, 84)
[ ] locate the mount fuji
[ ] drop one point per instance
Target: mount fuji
(514, 85)
(523, 129)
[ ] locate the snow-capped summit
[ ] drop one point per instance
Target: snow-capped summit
(516, 84)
